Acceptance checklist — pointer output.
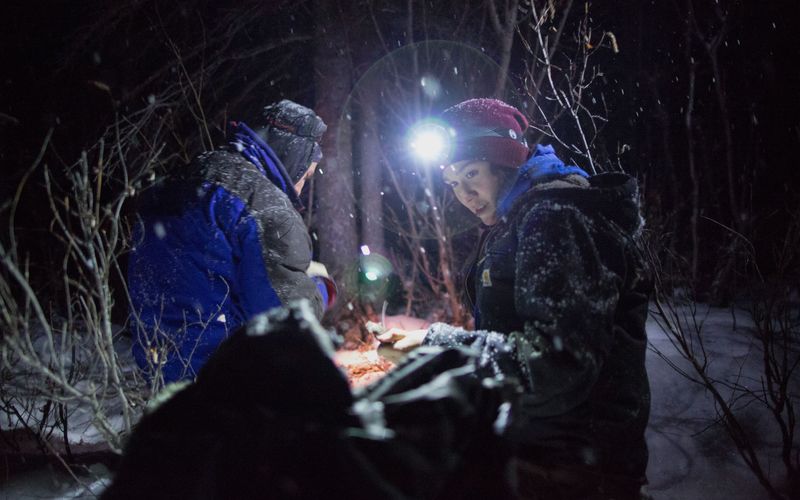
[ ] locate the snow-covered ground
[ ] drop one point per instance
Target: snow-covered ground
(83, 431)
(689, 457)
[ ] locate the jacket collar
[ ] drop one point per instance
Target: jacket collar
(542, 166)
(250, 145)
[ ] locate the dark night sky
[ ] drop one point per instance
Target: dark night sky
(36, 88)
(44, 85)
(759, 63)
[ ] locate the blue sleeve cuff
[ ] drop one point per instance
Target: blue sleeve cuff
(323, 290)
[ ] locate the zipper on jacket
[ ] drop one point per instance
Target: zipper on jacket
(480, 257)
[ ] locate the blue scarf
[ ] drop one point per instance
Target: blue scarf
(542, 166)
(257, 151)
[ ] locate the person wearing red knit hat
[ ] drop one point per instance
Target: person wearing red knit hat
(558, 288)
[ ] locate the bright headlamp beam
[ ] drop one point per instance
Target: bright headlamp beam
(434, 141)
(429, 144)
(429, 141)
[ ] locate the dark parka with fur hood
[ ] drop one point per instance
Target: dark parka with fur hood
(560, 291)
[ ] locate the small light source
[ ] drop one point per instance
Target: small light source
(429, 141)
(373, 270)
(365, 250)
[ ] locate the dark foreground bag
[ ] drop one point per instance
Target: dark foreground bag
(271, 416)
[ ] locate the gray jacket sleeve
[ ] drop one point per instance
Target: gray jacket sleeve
(286, 250)
(284, 246)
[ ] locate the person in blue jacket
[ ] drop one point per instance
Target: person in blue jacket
(559, 290)
(220, 240)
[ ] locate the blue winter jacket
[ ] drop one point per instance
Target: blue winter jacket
(214, 244)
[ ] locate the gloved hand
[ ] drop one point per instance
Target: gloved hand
(317, 269)
(403, 340)
(325, 284)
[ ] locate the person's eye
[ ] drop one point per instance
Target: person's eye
(471, 174)
(452, 185)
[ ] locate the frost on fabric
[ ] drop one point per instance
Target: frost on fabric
(496, 354)
(571, 254)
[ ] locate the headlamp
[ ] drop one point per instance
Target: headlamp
(435, 141)
(431, 141)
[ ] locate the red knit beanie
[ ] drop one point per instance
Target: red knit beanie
(488, 129)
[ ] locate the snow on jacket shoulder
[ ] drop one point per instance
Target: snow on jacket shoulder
(561, 293)
(214, 244)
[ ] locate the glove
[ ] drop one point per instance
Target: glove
(325, 284)
(317, 269)
(403, 340)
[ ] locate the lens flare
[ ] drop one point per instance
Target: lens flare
(368, 279)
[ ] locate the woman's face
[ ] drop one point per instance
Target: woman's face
(476, 186)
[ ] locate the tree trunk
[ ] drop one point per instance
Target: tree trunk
(505, 29)
(369, 171)
(693, 174)
(335, 219)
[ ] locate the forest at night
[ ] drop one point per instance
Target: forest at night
(104, 104)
